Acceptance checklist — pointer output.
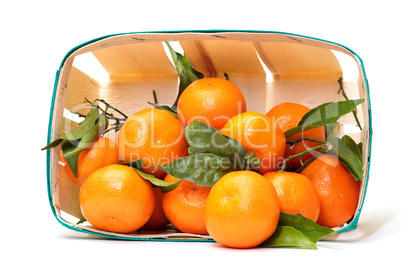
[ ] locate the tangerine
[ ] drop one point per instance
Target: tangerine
(100, 153)
(154, 135)
(184, 206)
(336, 187)
(296, 194)
(257, 132)
(158, 219)
(116, 199)
(212, 101)
(242, 210)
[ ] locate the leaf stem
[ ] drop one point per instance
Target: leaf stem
(324, 145)
(294, 142)
(119, 121)
(155, 98)
(107, 107)
(305, 138)
(314, 157)
(341, 90)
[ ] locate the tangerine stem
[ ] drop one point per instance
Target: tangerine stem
(314, 157)
(293, 142)
(301, 154)
(309, 139)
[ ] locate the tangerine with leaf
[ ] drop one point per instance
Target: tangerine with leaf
(101, 153)
(287, 115)
(257, 132)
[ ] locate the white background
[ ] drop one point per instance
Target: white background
(35, 36)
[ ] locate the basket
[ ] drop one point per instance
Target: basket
(269, 68)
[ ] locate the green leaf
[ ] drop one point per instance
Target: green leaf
(53, 143)
(164, 185)
(299, 129)
(165, 108)
(242, 153)
(329, 112)
(347, 156)
(85, 126)
(305, 225)
(287, 236)
(202, 169)
(68, 146)
(360, 146)
(324, 114)
(329, 129)
(351, 144)
(85, 142)
(90, 136)
(296, 231)
(81, 220)
(186, 73)
(206, 139)
(80, 131)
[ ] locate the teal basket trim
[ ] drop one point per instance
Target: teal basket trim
(69, 226)
(352, 225)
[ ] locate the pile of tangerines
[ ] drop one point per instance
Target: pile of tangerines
(243, 207)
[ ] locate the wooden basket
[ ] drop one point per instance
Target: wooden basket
(269, 68)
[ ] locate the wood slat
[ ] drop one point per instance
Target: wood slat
(213, 57)
(137, 62)
(132, 97)
(79, 87)
(68, 194)
(298, 62)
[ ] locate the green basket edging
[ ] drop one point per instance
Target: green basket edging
(351, 226)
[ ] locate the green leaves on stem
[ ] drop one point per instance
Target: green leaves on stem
(202, 169)
(206, 139)
(78, 132)
(187, 75)
(95, 124)
(212, 155)
(323, 115)
(345, 148)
